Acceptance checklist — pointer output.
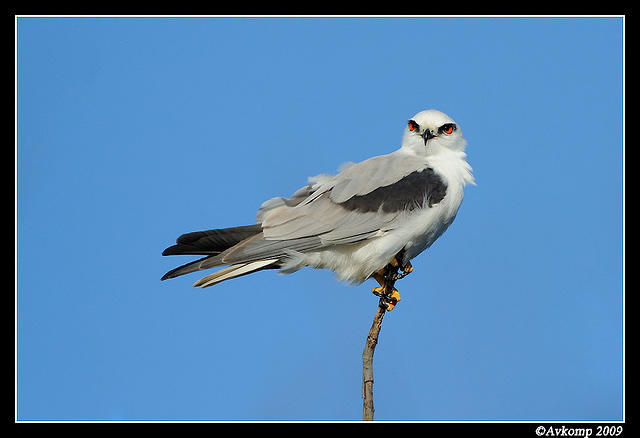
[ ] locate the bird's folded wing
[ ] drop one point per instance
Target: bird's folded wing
(306, 228)
(358, 212)
(362, 178)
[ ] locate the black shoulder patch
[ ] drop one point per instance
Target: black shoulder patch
(409, 193)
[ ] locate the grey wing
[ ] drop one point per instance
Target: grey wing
(352, 206)
(364, 177)
(307, 227)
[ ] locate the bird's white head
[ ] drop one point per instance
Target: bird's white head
(430, 132)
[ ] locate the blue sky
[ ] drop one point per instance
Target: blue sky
(132, 131)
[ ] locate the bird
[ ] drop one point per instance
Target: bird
(360, 223)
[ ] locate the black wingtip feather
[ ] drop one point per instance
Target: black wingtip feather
(208, 243)
(211, 242)
(184, 269)
(187, 250)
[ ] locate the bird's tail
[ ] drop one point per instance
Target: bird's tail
(234, 271)
(210, 243)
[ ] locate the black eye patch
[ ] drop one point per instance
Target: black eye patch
(413, 126)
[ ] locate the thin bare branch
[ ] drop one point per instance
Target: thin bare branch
(372, 340)
(367, 364)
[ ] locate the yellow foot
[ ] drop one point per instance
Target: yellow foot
(389, 299)
(407, 268)
(393, 300)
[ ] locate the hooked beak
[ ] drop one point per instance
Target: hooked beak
(426, 135)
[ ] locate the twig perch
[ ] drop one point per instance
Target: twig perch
(390, 278)
(367, 365)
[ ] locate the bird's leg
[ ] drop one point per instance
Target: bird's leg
(386, 278)
(380, 277)
(406, 270)
(387, 293)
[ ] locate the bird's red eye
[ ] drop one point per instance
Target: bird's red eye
(447, 128)
(412, 125)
